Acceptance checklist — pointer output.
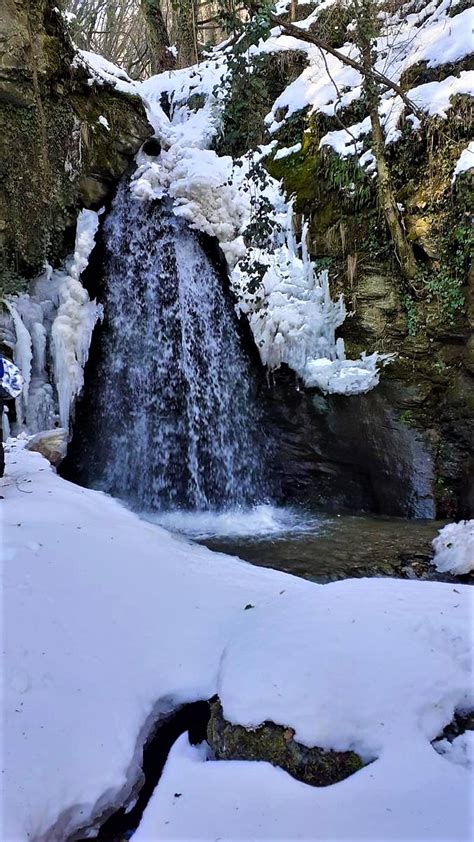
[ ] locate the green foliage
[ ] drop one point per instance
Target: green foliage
(411, 312)
(247, 98)
(262, 231)
(347, 177)
(407, 418)
(322, 263)
(443, 284)
(252, 30)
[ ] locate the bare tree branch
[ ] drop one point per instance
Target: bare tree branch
(380, 78)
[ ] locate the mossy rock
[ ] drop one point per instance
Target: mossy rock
(276, 745)
(57, 156)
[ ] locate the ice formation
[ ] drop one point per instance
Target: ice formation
(454, 548)
(54, 322)
(294, 319)
(23, 355)
(291, 315)
(77, 315)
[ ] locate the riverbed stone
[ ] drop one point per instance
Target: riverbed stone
(276, 744)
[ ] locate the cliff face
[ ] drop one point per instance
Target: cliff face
(426, 398)
(57, 155)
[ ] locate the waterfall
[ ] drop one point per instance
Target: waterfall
(172, 419)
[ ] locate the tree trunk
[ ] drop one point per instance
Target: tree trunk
(186, 29)
(157, 37)
(403, 248)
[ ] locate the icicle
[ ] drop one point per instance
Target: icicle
(294, 319)
(72, 328)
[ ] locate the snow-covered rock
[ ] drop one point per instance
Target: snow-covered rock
(454, 548)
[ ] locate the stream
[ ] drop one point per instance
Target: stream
(315, 546)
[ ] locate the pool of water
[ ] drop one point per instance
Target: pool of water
(318, 547)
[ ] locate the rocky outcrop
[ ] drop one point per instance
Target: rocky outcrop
(57, 156)
(429, 388)
(353, 453)
(276, 744)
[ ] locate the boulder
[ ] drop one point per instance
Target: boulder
(52, 444)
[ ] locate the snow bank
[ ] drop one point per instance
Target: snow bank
(454, 548)
(102, 70)
(110, 620)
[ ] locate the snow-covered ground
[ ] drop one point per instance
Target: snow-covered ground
(109, 621)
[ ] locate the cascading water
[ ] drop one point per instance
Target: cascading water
(174, 421)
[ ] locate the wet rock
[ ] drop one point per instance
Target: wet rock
(357, 453)
(52, 444)
(276, 745)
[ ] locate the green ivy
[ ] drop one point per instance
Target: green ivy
(411, 312)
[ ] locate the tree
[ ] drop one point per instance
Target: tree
(365, 34)
(114, 29)
(186, 32)
(161, 57)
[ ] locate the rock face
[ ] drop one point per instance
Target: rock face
(57, 156)
(276, 745)
(52, 444)
(353, 453)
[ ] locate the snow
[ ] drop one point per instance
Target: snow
(459, 751)
(104, 122)
(454, 548)
(435, 97)
(101, 70)
(465, 162)
(284, 152)
(110, 620)
(327, 85)
(411, 796)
